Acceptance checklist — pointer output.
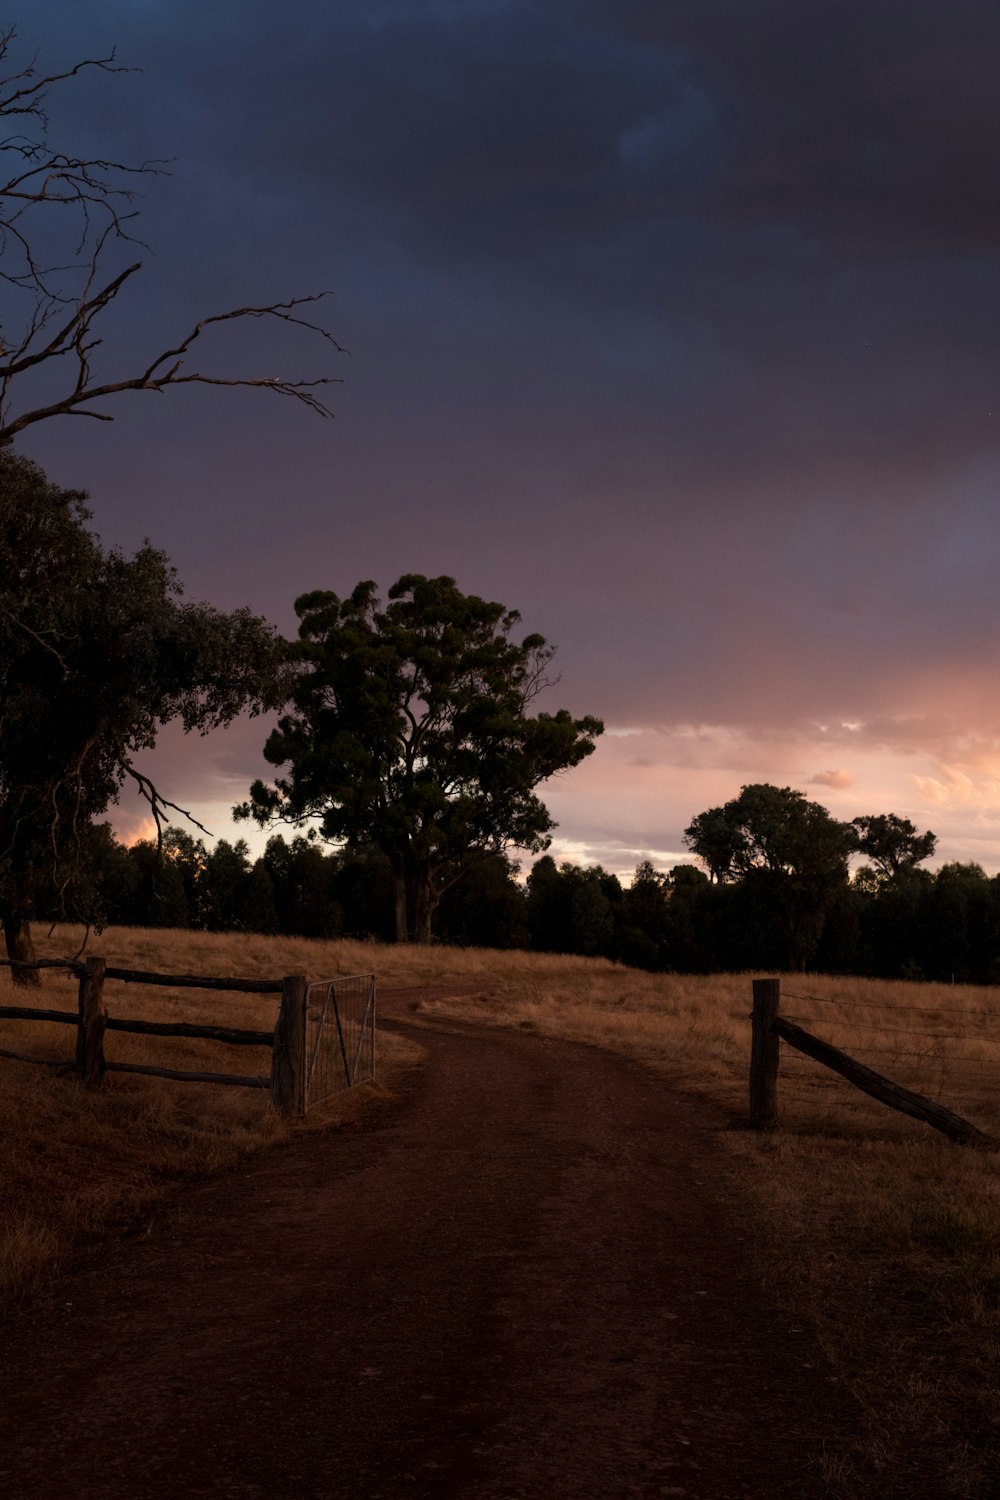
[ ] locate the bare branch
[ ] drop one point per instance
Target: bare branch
(158, 805)
(62, 302)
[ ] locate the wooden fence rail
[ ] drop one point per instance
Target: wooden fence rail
(286, 1079)
(770, 1028)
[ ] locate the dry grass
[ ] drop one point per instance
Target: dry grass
(883, 1233)
(76, 1165)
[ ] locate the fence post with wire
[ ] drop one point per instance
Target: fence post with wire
(770, 1028)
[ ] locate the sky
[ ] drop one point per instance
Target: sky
(674, 326)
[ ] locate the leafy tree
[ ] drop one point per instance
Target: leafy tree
(547, 905)
(234, 895)
(223, 887)
(159, 897)
(596, 899)
(576, 910)
(959, 930)
(304, 883)
(409, 730)
(96, 653)
(65, 242)
(365, 893)
(691, 941)
(717, 840)
(892, 844)
(189, 858)
(107, 885)
(485, 908)
(788, 855)
(113, 875)
(646, 900)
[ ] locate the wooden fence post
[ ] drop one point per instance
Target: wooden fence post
(90, 1031)
(764, 1054)
(288, 1058)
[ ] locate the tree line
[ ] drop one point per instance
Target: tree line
(890, 919)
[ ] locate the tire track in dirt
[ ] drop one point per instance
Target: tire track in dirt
(520, 1281)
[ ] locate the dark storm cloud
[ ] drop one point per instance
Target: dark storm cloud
(799, 202)
(872, 125)
(673, 325)
(730, 186)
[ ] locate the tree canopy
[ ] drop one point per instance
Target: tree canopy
(786, 852)
(892, 843)
(408, 729)
(97, 651)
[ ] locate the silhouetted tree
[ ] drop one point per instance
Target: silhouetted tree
(485, 908)
(305, 888)
(409, 729)
(788, 855)
(159, 899)
(547, 900)
(366, 893)
(690, 941)
(959, 929)
(892, 844)
(228, 893)
(96, 653)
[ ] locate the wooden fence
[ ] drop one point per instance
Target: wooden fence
(286, 1079)
(770, 1029)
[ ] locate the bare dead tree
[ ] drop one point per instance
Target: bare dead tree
(50, 305)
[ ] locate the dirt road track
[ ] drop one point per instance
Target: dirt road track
(520, 1282)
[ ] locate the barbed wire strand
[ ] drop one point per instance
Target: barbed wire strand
(952, 1036)
(988, 1012)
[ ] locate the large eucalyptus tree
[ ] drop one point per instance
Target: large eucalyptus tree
(408, 728)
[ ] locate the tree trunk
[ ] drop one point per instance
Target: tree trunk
(17, 936)
(421, 901)
(416, 903)
(402, 927)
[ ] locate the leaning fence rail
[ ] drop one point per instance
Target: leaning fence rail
(296, 1041)
(770, 1028)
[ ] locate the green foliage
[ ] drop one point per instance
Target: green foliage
(159, 897)
(485, 908)
(585, 911)
(408, 730)
(305, 889)
(789, 858)
(96, 653)
(892, 844)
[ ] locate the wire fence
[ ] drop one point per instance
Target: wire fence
(340, 1035)
(956, 1060)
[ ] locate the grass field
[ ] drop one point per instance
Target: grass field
(881, 1232)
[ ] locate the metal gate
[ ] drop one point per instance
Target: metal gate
(340, 1035)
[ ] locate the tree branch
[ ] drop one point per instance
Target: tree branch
(158, 805)
(67, 299)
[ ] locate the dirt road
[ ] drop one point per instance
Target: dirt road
(519, 1282)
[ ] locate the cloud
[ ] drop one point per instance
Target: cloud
(839, 780)
(131, 827)
(675, 334)
(870, 125)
